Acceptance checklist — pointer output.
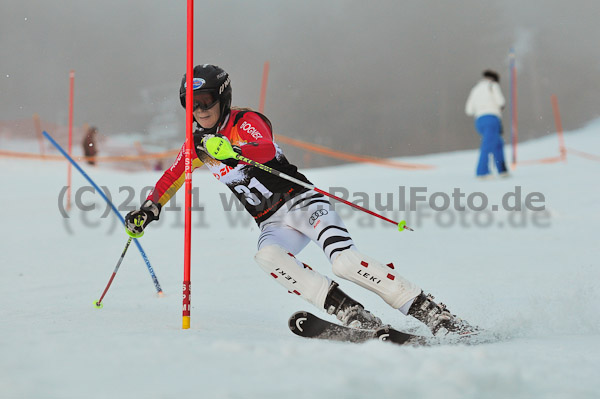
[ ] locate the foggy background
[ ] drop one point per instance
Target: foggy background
(380, 78)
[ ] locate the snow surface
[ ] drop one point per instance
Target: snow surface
(534, 284)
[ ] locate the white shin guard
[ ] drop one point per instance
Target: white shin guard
(295, 276)
(374, 276)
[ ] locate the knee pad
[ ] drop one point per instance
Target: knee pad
(381, 279)
(294, 275)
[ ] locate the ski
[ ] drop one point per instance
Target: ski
(307, 325)
(389, 334)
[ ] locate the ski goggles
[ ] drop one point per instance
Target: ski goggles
(204, 99)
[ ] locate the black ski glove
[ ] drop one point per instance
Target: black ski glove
(136, 221)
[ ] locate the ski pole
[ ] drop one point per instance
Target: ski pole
(98, 303)
(401, 225)
(113, 207)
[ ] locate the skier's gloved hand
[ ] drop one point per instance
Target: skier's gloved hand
(233, 162)
(136, 221)
(219, 147)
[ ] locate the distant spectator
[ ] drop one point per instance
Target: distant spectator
(485, 104)
(90, 148)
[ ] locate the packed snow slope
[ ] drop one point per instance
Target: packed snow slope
(531, 276)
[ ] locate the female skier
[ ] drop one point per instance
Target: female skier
(289, 216)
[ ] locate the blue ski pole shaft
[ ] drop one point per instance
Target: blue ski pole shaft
(113, 207)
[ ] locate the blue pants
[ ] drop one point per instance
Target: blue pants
(489, 127)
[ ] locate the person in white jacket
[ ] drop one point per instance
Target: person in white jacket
(485, 104)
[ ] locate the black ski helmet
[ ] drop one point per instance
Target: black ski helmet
(213, 79)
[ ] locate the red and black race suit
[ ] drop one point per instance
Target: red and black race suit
(260, 192)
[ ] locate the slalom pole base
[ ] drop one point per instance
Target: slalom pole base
(160, 294)
(98, 304)
(185, 322)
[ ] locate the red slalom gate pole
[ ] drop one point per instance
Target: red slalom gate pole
(69, 170)
(263, 89)
(559, 129)
(187, 247)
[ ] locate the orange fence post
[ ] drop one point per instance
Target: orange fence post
(71, 91)
(263, 88)
(38, 132)
(559, 129)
